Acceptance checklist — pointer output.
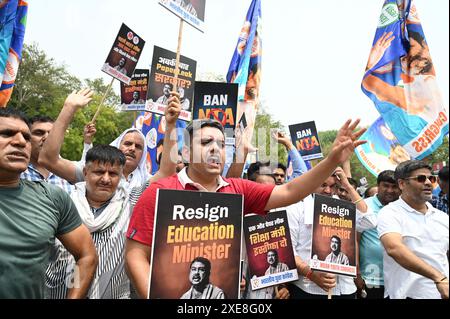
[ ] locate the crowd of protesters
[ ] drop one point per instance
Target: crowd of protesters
(84, 229)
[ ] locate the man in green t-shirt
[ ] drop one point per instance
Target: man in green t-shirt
(32, 214)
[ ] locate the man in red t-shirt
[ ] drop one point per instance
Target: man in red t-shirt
(206, 156)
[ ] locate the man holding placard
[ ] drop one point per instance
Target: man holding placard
(206, 156)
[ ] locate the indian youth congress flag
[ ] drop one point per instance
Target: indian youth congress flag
(400, 79)
(13, 18)
(382, 150)
(189, 225)
(245, 65)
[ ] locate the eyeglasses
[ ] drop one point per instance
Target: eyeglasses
(421, 178)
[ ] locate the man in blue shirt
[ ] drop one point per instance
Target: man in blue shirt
(440, 200)
(370, 278)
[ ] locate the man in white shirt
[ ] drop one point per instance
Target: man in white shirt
(415, 236)
(316, 284)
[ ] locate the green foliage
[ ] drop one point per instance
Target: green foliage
(357, 168)
(440, 155)
(41, 84)
(264, 124)
(42, 87)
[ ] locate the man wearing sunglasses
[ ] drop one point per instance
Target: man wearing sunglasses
(415, 236)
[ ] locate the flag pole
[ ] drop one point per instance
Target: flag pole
(102, 101)
(177, 63)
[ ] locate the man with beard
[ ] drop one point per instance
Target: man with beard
(205, 149)
(415, 236)
(121, 66)
(370, 279)
(163, 99)
(199, 272)
(336, 256)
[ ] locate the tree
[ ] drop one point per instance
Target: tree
(357, 168)
(262, 139)
(41, 84)
(42, 87)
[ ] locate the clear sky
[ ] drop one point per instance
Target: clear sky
(314, 51)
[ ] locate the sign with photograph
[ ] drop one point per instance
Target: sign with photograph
(124, 55)
(269, 250)
(334, 236)
(196, 245)
(133, 95)
(162, 77)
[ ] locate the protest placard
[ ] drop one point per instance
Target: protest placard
(189, 225)
(269, 250)
(334, 236)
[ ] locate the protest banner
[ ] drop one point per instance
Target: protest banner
(188, 225)
(162, 80)
(334, 236)
(217, 101)
(191, 11)
(269, 250)
(133, 95)
(305, 138)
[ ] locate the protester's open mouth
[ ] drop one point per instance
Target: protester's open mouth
(214, 162)
(130, 155)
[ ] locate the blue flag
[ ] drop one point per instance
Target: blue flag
(13, 17)
(246, 62)
(153, 126)
(382, 150)
(400, 79)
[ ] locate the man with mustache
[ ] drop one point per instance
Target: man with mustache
(415, 238)
(32, 214)
(102, 201)
(336, 256)
(40, 128)
(205, 150)
(199, 272)
(131, 142)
